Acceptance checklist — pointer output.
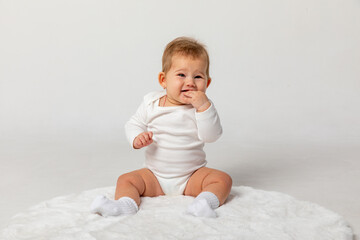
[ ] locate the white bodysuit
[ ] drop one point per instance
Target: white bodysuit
(179, 134)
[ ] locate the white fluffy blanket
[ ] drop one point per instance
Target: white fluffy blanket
(248, 214)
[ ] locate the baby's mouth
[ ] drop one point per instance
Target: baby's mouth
(184, 90)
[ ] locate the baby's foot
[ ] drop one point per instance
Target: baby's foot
(107, 207)
(201, 208)
(98, 202)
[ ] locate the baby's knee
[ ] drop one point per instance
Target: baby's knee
(127, 178)
(226, 180)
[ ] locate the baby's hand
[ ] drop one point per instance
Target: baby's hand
(142, 140)
(198, 99)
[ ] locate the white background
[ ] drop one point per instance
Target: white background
(286, 83)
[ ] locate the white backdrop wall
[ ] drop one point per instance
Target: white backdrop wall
(284, 72)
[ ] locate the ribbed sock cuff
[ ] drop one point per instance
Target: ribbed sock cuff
(131, 206)
(211, 198)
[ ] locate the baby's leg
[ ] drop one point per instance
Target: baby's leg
(136, 184)
(130, 187)
(211, 187)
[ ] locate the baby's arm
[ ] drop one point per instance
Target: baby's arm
(207, 119)
(208, 123)
(136, 129)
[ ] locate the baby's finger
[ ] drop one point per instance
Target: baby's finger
(146, 137)
(142, 142)
(137, 143)
(150, 135)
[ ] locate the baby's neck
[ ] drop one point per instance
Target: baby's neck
(166, 102)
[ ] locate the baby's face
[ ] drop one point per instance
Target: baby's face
(186, 74)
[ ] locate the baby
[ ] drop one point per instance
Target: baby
(174, 124)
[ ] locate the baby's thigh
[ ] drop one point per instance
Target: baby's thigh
(144, 180)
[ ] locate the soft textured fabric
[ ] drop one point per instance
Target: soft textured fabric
(179, 134)
(248, 214)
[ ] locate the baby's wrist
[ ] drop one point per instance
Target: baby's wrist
(204, 107)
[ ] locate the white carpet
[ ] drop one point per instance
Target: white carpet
(248, 214)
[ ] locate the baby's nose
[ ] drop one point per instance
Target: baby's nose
(190, 82)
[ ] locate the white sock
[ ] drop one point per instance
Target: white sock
(204, 205)
(107, 207)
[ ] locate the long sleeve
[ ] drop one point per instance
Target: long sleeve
(209, 126)
(136, 124)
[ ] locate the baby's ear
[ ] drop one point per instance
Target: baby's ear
(162, 79)
(208, 82)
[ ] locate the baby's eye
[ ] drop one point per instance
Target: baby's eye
(181, 75)
(198, 76)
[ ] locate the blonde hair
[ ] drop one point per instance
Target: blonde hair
(184, 46)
